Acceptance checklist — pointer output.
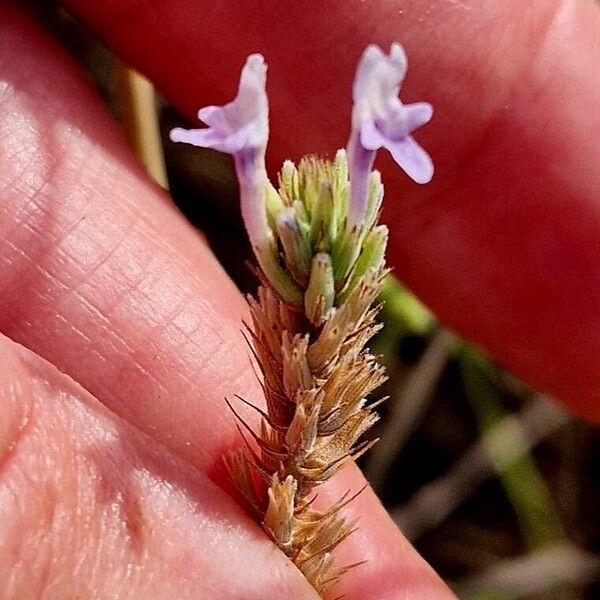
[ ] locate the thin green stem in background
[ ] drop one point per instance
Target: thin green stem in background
(511, 438)
(403, 314)
(521, 480)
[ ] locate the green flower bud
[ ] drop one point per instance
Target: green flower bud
(320, 294)
(278, 277)
(296, 248)
(322, 228)
(371, 258)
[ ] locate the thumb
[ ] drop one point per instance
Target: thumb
(90, 507)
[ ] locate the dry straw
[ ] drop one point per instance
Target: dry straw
(321, 261)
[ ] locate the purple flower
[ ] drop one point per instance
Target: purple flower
(241, 128)
(380, 120)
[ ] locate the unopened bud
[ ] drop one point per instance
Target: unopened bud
(278, 277)
(320, 294)
(295, 245)
(288, 181)
(371, 258)
(323, 227)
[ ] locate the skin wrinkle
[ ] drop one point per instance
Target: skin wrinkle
(84, 280)
(14, 398)
(191, 363)
(20, 183)
(21, 432)
(127, 277)
(69, 287)
(54, 548)
(32, 522)
(188, 265)
(32, 193)
(86, 254)
(160, 327)
(34, 266)
(68, 291)
(23, 217)
(49, 174)
(83, 471)
(47, 169)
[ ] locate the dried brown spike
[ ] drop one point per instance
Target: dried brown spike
(315, 371)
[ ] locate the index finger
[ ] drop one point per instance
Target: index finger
(504, 244)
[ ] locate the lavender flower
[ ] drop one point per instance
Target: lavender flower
(380, 120)
(241, 128)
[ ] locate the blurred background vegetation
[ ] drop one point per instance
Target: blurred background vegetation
(495, 485)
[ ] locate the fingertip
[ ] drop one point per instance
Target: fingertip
(392, 567)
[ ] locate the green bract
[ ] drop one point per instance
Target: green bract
(317, 258)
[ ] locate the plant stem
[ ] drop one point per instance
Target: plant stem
(139, 117)
(522, 482)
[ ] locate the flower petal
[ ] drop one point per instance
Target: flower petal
(370, 136)
(239, 125)
(209, 138)
(412, 158)
(379, 75)
(380, 120)
(417, 114)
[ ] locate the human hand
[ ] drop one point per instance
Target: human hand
(503, 245)
(120, 494)
(103, 278)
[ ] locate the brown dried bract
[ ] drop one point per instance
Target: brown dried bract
(315, 380)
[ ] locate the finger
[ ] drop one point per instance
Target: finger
(90, 507)
(504, 244)
(99, 274)
(392, 569)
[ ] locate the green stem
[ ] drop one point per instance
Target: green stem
(521, 480)
(403, 314)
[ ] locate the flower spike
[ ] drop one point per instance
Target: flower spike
(380, 120)
(321, 258)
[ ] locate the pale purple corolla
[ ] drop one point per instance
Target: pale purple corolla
(380, 120)
(241, 128)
